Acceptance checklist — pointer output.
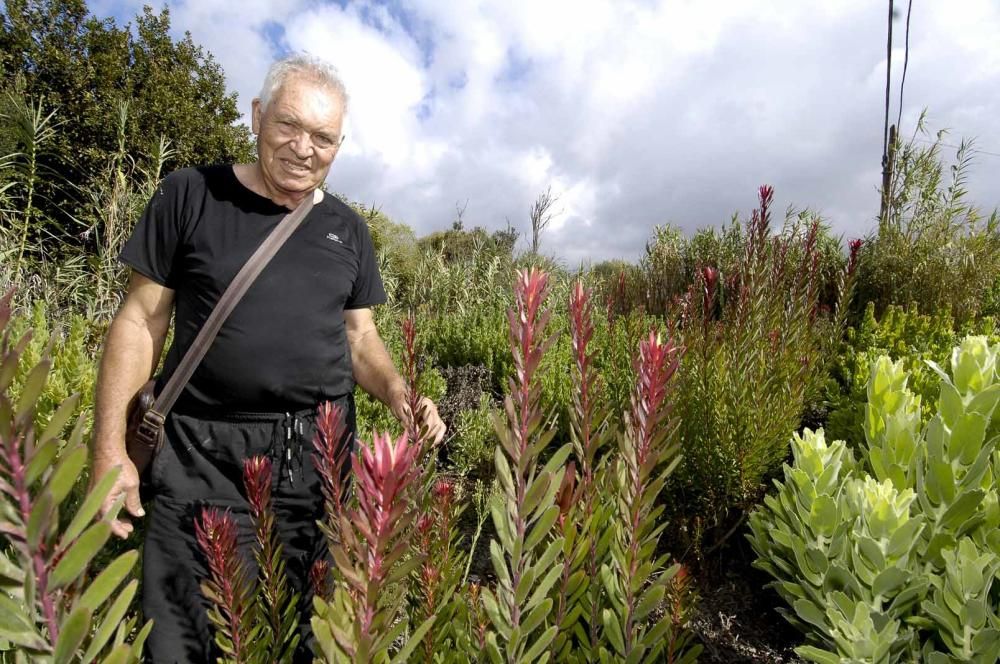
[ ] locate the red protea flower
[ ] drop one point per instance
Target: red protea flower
(766, 195)
(385, 470)
(226, 586)
(444, 492)
(257, 479)
(710, 279)
(383, 474)
(655, 366)
(216, 535)
(530, 291)
(425, 523)
(855, 249)
(581, 325)
(319, 578)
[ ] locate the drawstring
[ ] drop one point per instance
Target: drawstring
(294, 431)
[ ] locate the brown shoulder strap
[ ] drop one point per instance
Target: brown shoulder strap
(230, 298)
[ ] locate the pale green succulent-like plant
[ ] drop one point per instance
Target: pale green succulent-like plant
(894, 558)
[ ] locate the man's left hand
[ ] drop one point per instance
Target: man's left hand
(428, 420)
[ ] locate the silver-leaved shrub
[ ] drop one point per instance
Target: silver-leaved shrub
(894, 556)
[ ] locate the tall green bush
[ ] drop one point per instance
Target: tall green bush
(86, 66)
(893, 558)
(755, 357)
(933, 248)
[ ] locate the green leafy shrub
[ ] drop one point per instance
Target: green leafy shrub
(469, 336)
(614, 344)
(902, 334)
(51, 607)
(471, 451)
(755, 347)
(893, 558)
(372, 415)
(70, 344)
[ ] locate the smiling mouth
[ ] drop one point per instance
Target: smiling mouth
(295, 168)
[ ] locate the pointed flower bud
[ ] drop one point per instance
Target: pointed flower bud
(257, 479)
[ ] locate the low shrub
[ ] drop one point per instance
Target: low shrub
(893, 557)
(471, 450)
(901, 334)
(70, 345)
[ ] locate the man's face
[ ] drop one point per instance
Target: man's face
(298, 134)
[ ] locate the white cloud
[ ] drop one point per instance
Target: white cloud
(635, 112)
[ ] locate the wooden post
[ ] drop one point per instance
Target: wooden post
(888, 163)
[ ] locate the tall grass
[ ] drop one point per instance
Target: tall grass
(934, 247)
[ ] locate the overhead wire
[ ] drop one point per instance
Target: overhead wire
(888, 91)
(906, 61)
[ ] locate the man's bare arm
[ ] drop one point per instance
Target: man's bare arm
(131, 353)
(376, 374)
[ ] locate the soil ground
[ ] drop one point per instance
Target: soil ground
(735, 618)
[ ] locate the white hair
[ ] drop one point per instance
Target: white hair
(301, 64)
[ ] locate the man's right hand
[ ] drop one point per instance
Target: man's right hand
(131, 353)
(126, 485)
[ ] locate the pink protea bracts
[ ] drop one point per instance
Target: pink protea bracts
(374, 536)
(257, 480)
(655, 366)
(227, 587)
(855, 251)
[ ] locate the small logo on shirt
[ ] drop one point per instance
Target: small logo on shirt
(334, 237)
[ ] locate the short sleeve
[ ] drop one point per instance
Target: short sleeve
(152, 247)
(368, 289)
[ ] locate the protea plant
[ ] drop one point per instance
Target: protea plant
(637, 579)
(525, 514)
(590, 431)
(51, 608)
(229, 587)
(278, 605)
(366, 614)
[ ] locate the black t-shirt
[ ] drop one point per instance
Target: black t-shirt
(284, 346)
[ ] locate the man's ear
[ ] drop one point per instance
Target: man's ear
(255, 112)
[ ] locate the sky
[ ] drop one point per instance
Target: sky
(635, 112)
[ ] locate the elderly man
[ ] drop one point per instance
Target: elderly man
(302, 334)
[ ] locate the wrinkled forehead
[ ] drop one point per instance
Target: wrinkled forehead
(301, 87)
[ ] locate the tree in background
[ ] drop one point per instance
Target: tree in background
(91, 73)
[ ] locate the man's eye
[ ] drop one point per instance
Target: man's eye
(323, 141)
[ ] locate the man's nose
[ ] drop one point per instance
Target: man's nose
(302, 145)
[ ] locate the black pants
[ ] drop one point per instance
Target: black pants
(201, 464)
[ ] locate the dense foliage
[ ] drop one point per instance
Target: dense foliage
(904, 335)
(589, 475)
(53, 606)
(893, 557)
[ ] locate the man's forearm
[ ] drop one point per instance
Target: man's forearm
(374, 370)
(131, 352)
